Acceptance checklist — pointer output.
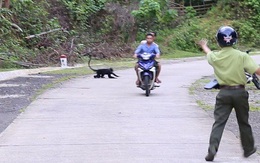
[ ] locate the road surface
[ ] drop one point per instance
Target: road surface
(89, 120)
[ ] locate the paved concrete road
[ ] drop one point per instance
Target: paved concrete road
(91, 120)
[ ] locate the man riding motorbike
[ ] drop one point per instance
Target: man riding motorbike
(148, 47)
(154, 37)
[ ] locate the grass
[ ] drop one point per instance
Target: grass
(181, 54)
(204, 105)
(197, 84)
(254, 108)
(7, 69)
(192, 91)
(79, 71)
(22, 110)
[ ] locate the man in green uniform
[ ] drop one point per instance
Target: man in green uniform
(229, 65)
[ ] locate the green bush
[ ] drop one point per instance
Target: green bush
(82, 10)
(148, 15)
(154, 15)
(26, 18)
(248, 35)
(185, 36)
(244, 16)
(8, 65)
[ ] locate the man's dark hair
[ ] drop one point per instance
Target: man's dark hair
(154, 33)
(149, 34)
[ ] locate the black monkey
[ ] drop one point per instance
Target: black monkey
(102, 72)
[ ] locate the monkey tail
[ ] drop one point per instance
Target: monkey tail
(89, 64)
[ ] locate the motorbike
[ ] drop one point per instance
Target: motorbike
(147, 72)
(213, 84)
(253, 78)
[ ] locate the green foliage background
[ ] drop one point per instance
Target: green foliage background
(120, 22)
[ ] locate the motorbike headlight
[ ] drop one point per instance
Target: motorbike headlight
(146, 56)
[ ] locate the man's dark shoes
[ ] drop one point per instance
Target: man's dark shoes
(247, 154)
(211, 155)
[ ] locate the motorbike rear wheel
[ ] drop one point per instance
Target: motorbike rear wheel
(146, 85)
(256, 81)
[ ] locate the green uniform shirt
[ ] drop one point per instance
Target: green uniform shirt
(229, 65)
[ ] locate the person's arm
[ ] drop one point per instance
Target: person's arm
(143, 42)
(157, 51)
(204, 45)
(137, 51)
(156, 45)
(250, 65)
(258, 71)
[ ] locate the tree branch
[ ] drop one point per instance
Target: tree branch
(43, 33)
(17, 27)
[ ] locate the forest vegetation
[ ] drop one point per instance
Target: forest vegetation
(37, 32)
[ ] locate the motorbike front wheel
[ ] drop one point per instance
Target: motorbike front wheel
(146, 85)
(256, 81)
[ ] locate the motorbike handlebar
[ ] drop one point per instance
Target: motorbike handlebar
(146, 56)
(248, 51)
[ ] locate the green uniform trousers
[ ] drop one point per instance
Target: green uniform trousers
(226, 100)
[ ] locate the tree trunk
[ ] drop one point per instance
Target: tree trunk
(6, 4)
(1, 3)
(133, 34)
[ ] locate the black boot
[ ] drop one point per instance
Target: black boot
(247, 154)
(211, 154)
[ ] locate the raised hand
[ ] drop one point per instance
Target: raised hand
(203, 43)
